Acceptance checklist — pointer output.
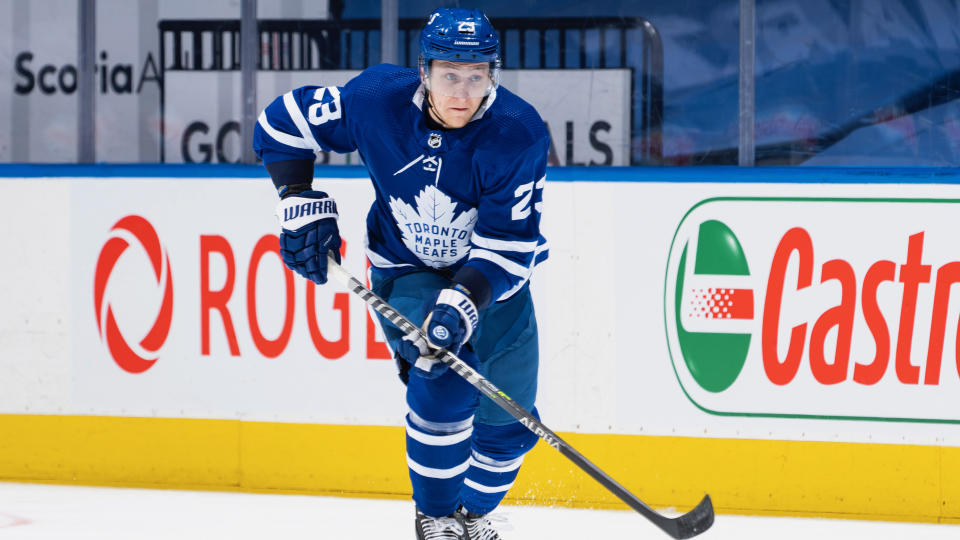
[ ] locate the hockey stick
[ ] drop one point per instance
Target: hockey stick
(687, 525)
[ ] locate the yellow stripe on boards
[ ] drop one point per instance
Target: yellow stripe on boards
(865, 481)
(799, 478)
(330, 459)
(117, 450)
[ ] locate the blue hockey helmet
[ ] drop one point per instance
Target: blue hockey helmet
(462, 36)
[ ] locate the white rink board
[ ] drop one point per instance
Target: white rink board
(605, 366)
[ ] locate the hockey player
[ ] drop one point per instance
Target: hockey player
(457, 164)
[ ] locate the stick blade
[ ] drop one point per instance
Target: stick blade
(695, 521)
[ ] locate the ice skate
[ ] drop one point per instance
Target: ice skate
(444, 528)
(479, 527)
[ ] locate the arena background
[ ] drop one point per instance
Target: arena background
(837, 398)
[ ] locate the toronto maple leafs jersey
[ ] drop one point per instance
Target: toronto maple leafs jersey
(467, 200)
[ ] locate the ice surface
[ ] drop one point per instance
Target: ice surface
(48, 512)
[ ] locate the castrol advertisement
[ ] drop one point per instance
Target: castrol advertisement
(829, 308)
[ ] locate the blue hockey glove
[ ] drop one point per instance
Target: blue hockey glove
(453, 319)
(450, 324)
(309, 221)
(414, 350)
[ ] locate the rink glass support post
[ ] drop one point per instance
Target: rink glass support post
(389, 35)
(249, 62)
(748, 47)
(86, 85)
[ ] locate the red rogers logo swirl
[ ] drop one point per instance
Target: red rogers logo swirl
(122, 353)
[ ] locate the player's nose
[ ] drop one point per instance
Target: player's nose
(460, 92)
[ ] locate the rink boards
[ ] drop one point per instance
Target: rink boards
(784, 339)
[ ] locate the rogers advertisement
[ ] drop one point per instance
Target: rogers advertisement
(192, 309)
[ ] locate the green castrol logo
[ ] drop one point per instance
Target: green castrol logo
(817, 308)
(715, 357)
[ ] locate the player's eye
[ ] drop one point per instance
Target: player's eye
(450, 77)
(476, 79)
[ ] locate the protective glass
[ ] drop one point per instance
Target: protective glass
(461, 80)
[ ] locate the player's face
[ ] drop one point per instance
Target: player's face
(457, 89)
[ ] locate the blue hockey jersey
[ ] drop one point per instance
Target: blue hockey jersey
(445, 199)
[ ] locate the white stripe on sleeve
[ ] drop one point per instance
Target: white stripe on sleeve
(297, 116)
(281, 137)
(501, 261)
(503, 245)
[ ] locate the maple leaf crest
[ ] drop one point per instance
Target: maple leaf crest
(433, 230)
